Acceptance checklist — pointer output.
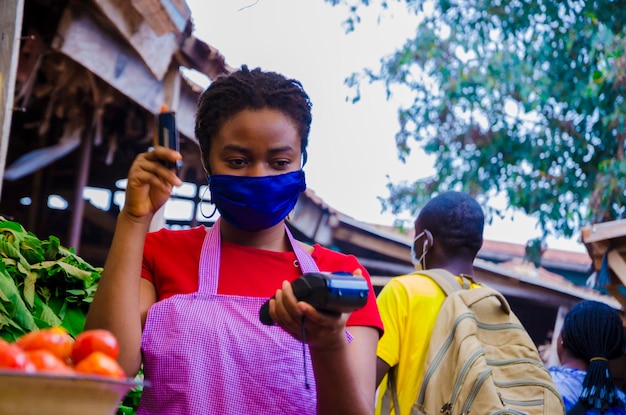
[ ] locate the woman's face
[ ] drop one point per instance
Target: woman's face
(256, 143)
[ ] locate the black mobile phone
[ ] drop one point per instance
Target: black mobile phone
(167, 134)
(334, 293)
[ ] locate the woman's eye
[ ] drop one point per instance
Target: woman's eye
(237, 162)
(281, 163)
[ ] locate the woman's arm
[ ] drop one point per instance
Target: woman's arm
(345, 373)
(346, 376)
(123, 298)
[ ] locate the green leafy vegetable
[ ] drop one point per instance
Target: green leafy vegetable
(42, 284)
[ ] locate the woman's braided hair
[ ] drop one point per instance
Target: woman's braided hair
(593, 331)
(251, 90)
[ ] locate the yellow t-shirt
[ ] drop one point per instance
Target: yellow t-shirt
(408, 307)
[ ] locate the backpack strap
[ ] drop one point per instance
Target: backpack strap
(446, 280)
(391, 395)
(449, 283)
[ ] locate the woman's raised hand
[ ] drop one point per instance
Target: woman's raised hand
(150, 183)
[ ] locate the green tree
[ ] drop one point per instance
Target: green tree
(524, 97)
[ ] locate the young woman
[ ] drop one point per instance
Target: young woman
(185, 304)
(592, 335)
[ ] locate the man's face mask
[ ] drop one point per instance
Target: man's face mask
(252, 203)
(420, 263)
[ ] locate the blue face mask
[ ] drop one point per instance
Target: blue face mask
(252, 203)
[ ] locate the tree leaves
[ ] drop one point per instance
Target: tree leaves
(525, 97)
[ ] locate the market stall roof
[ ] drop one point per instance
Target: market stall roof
(385, 252)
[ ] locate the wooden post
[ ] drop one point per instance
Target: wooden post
(11, 14)
(553, 360)
(78, 207)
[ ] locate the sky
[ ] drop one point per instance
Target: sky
(352, 153)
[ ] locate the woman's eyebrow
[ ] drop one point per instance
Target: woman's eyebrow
(282, 149)
(235, 147)
(247, 151)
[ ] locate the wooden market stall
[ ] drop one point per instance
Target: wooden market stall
(80, 96)
(606, 244)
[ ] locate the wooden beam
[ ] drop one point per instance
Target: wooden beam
(618, 265)
(313, 221)
(372, 243)
(172, 86)
(81, 37)
(11, 16)
(602, 231)
(186, 110)
(156, 49)
(204, 58)
(601, 237)
(385, 269)
(164, 16)
(613, 289)
(517, 285)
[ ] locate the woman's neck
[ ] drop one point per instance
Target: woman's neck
(568, 360)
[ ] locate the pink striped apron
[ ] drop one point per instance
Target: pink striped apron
(206, 353)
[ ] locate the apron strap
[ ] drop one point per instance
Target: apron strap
(305, 260)
(209, 269)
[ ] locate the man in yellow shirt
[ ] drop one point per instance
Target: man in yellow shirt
(449, 234)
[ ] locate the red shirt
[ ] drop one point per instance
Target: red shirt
(171, 262)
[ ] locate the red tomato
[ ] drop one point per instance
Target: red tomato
(56, 340)
(96, 340)
(14, 358)
(47, 362)
(100, 364)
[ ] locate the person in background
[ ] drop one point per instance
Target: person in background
(185, 304)
(592, 335)
(449, 234)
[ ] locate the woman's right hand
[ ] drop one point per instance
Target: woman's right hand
(150, 183)
(324, 331)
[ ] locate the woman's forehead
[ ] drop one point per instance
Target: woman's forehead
(258, 125)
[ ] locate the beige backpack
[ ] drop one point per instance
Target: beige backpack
(481, 360)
